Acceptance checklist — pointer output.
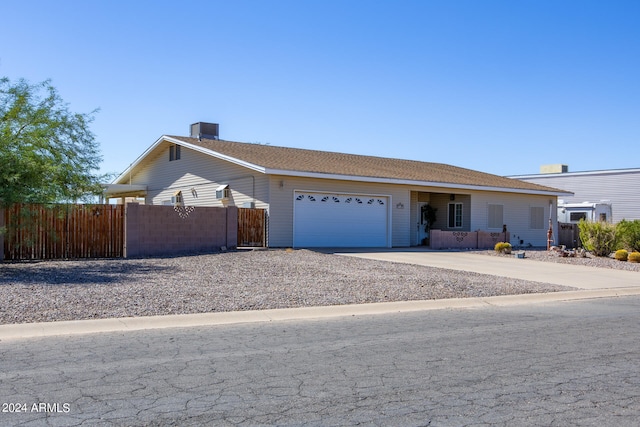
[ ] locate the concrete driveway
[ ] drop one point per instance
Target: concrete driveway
(579, 276)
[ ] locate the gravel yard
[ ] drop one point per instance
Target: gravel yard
(244, 280)
(590, 260)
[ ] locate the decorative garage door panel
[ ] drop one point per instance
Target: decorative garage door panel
(340, 220)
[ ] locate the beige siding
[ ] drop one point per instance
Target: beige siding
(403, 199)
(517, 215)
(197, 176)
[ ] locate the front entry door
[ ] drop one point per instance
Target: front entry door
(421, 225)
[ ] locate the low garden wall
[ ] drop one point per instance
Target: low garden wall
(440, 239)
(161, 230)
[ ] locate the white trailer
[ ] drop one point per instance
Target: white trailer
(589, 211)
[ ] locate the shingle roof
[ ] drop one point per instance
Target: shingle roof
(332, 163)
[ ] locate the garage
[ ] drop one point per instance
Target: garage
(340, 220)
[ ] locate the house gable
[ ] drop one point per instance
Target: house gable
(197, 175)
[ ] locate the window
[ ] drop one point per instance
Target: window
(223, 192)
(577, 216)
(174, 153)
(177, 200)
(496, 217)
(455, 215)
(536, 220)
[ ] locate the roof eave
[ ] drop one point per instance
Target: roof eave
(413, 182)
(123, 190)
(123, 176)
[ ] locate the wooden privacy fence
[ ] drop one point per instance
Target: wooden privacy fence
(102, 231)
(252, 226)
(569, 235)
(63, 231)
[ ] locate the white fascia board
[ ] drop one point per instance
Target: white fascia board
(217, 155)
(416, 183)
(124, 175)
(137, 161)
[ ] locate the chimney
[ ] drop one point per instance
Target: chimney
(204, 130)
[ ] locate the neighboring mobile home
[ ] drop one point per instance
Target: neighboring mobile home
(618, 187)
(326, 199)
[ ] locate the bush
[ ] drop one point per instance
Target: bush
(629, 234)
(621, 255)
(599, 238)
(634, 257)
(502, 247)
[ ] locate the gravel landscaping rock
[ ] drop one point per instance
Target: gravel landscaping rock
(590, 260)
(243, 280)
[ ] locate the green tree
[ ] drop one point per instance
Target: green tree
(47, 153)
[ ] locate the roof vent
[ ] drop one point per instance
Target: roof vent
(204, 130)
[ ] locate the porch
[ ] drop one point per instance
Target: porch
(443, 221)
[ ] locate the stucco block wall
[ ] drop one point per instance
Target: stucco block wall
(466, 239)
(160, 230)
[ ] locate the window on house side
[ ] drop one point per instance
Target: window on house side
(496, 216)
(174, 153)
(177, 199)
(455, 215)
(537, 218)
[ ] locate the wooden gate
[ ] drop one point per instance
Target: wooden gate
(63, 231)
(569, 235)
(252, 227)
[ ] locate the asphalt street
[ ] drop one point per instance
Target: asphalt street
(555, 363)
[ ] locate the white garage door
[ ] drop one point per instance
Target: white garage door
(340, 220)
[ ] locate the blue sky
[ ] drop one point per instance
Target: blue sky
(497, 86)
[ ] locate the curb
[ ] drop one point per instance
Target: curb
(124, 324)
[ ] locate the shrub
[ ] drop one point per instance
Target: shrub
(621, 255)
(599, 238)
(502, 247)
(629, 234)
(634, 257)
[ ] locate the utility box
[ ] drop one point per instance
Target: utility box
(204, 130)
(589, 211)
